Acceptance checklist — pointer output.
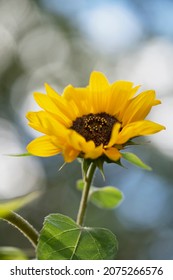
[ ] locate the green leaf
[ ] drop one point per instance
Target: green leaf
(62, 239)
(12, 253)
(132, 158)
(13, 204)
(80, 185)
(106, 197)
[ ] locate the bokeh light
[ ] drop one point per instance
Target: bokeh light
(19, 176)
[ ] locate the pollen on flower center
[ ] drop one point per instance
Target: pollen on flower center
(95, 127)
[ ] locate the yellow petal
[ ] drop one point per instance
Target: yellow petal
(43, 147)
(50, 91)
(79, 143)
(35, 121)
(45, 102)
(45, 123)
(112, 153)
(77, 98)
(71, 93)
(124, 86)
(114, 135)
(156, 102)
(139, 128)
(121, 92)
(95, 153)
(66, 106)
(139, 107)
(54, 106)
(98, 89)
(98, 82)
(70, 153)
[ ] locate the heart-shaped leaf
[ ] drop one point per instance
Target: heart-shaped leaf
(80, 185)
(62, 239)
(106, 197)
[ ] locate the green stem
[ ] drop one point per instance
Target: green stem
(83, 203)
(23, 226)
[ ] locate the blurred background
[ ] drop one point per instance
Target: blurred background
(60, 42)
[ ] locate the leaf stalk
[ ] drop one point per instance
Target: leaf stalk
(23, 226)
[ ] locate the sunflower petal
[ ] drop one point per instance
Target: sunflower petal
(112, 153)
(61, 103)
(70, 154)
(79, 143)
(156, 102)
(139, 128)
(124, 86)
(50, 91)
(98, 82)
(77, 97)
(121, 92)
(55, 106)
(71, 93)
(95, 153)
(114, 135)
(35, 121)
(45, 102)
(98, 89)
(139, 107)
(43, 147)
(45, 123)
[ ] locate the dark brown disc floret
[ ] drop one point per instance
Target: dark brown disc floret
(95, 127)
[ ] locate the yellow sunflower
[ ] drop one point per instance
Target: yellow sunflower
(91, 122)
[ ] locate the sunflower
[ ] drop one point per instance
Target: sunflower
(97, 121)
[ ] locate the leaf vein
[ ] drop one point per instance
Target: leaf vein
(96, 243)
(56, 235)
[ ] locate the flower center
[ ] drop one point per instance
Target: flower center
(95, 127)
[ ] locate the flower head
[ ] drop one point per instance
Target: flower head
(92, 122)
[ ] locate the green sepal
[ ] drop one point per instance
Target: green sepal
(134, 159)
(20, 155)
(118, 162)
(62, 239)
(14, 204)
(132, 143)
(99, 163)
(85, 166)
(106, 197)
(62, 166)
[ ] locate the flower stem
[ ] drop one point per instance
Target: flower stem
(23, 226)
(87, 183)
